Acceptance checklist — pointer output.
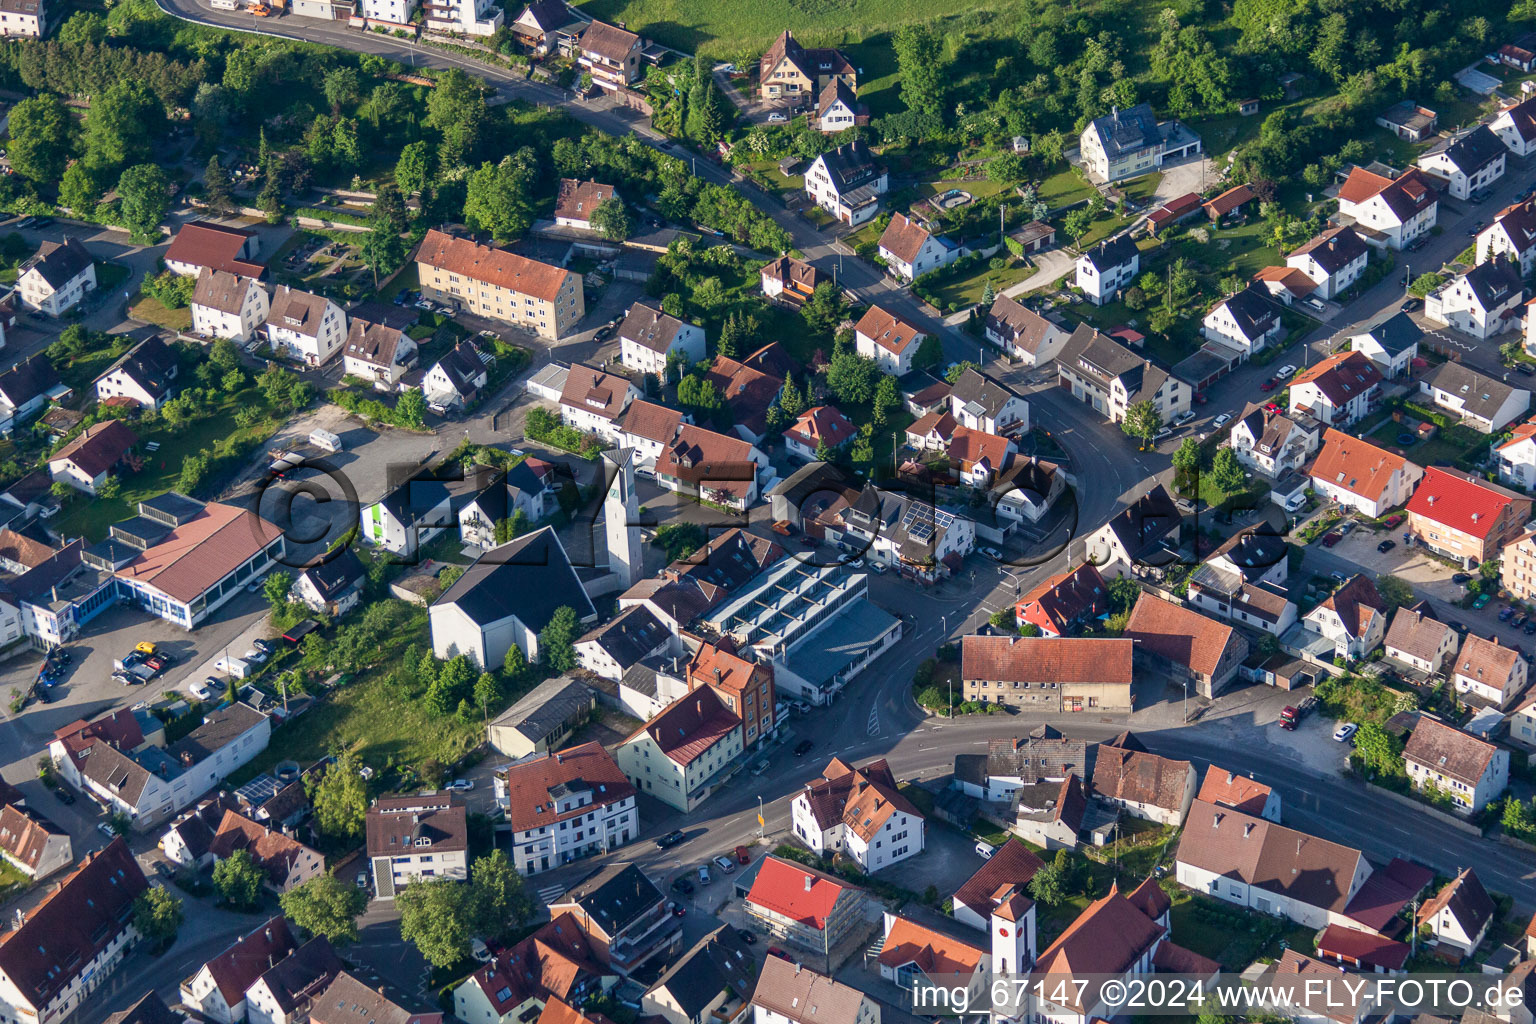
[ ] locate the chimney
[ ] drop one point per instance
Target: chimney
(718, 676)
(1333, 243)
(807, 889)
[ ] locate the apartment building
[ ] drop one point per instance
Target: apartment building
(500, 285)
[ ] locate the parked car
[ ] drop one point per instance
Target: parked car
(1386, 545)
(670, 840)
(777, 118)
(1411, 305)
(106, 830)
(1306, 707)
(1530, 626)
(1184, 417)
(460, 785)
(1331, 538)
(682, 885)
(1481, 601)
(1286, 372)
(205, 689)
(985, 850)
(1519, 619)
(145, 647)
(678, 910)
(803, 747)
(1461, 577)
(704, 878)
(1345, 732)
(64, 795)
(1269, 385)
(725, 863)
(362, 880)
(1221, 421)
(1392, 521)
(1201, 398)
(746, 936)
(263, 644)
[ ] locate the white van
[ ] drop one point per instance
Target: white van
(224, 5)
(236, 667)
(325, 440)
(985, 850)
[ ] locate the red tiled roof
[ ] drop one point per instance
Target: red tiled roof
(1106, 938)
(904, 238)
(651, 421)
(1010, 867)
(529, 782)
(237, 968)
(1230, 200)
(1028, 659)
(1523, 432)
(717, 461)
(1179, 634)
(1238, 792)
(969, 447)
(201, 244)
(492, 266)
(781, 886)
(688, 727)
(1139, 777)
(548, 962)
(201, 552)
(933, 953)
(1291, 278)
(1362, 948)
(1356, 603)
(1460, 503)
(577, 199)
(1355, 465)
(1061, 599)
(822, 424)
(276, 853)
(887, 330)
(593, 391)
(1340, 377)
(24, 836)
(1486, 661)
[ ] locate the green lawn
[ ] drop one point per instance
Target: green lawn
(1437, 451)
(110, 275)
(966, 289)
(1229, 934)
(12, 880)
(1064, 188)
(151, 311)
(81, 371)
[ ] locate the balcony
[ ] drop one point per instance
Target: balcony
(651, 933)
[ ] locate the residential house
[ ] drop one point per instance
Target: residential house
(57, 277)
(554, 967)
(1146, 532)
(1241, 585)
(1022, 333)
(1389, 213)
(650, 340)
(1512, 236)
(146, 374)
(859, 813)
(1255, 863)
(1113, 939)
(803, 907)
(464, 17)
(788, 993)
(226, 305)
(417, 509)
(378, 353)
(95, 454)
(1286, 284)
(1440, 757)
(626, 919)
(1051, 816)
(25, 389)
(31, 844)
(501, 285)
(73, 941)
(646, 429)
(916, 956)
(1107, 268)
(913, 537)
(1482, 402)
(1359, 475)
(887, 339)
(181, 560)
(1391, 345)
(1005, 873)
(708, 984)
(1352, 617)
(305, 326)
(565, 805)
(847, 183)
(980, 402)
(23, 18)
(202, 244)
(287, 862)
(576, 199)
(217, 989)
(1045, 674)
(817, 428)
(1458, 916)
(1467, 162)
(978, 458)
(1332, 261)
(837, 109)
(593, 401)
(285, 991)
(1239, 792)
(1025, 488)
(611, 55)
(150, 782)
(679, 756)
(1489, 671)
(1409, 121)
(790, 73)
(791, 280)
(347, 1000)
(1273, 443)
(745, 687)
(1337, 390)
(1247, 321)
(1129, 143)
(333, 587)
(1013, 763)
(543, 718)
(1485, 301)
(749, 392)
(1061, 604)
(1464, 517)
(1517, 566)
(612, 649)
(1110, 377)
(1515, 125)
(414, 837)
(1309, 991)
(506, 596)
(714, 467)
(455, 380)
(1144, 785)
(910, 250)
(1190, 650)
(1418, 641)
(545, 27)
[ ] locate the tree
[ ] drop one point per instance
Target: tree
(1424, 284)
(143, 197)
(456, 108)
(825, 309)
(123, 121)
(1186, 458)
(514, 664)
(487, 692)
(216, 186)
(277, 587)
(1029, 629)
(389, 214)
(1076, 224)
(921, 69)
(270, 200)
(557, 637)
(697, 393)
(157, 915)
(1395, 591)
(498, 198)
(411, 409)
(1227, 473)
(737, 334)
(80, 191)
(852, 378)
(611, 219)
(954, 373)
(340, 799)
(413, 167)
(42, 135)
(238, 878)
(1049, 886)
(342, 88)
(790, 398)
(439, 916)
(1378, 751)
(1142, 421)
(502, 902)
(887, 396)
(326, 905)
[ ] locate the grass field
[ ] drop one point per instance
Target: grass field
(151, 311)
(967, 289)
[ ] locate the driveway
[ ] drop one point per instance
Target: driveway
(1192, 174)
(1050, 266)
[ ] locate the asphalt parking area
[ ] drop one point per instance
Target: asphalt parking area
(1408, 563)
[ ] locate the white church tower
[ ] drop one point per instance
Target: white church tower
(1013, 933)
(621, 516)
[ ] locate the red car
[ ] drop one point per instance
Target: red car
(1268, 385)
(1200, 398)
(742, 856)
(1391, 522)
(1272, 409)
(1330, 539)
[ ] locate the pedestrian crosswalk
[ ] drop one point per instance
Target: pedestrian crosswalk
(549, 893)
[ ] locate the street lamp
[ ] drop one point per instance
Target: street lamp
(760, 822)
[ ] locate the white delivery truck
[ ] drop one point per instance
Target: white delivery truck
(236, 667)
(325, 440)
